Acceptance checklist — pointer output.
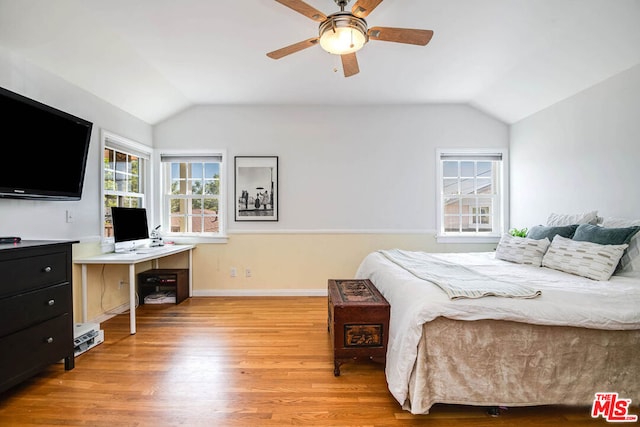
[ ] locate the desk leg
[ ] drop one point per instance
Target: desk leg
(84, 293)
(132, 297)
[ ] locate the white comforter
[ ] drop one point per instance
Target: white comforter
(566, 300)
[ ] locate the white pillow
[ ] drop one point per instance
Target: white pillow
(522, 250)
(587, 259)
(556, 219)
(631, 259)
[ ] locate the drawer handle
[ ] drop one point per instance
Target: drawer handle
(49, 340)
(51, 302)
(47, 269)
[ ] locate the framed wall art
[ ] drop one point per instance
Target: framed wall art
(256, 188)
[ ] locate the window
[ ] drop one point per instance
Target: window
(471, 194)
(125, 176)
(480, 215)
(193, 202)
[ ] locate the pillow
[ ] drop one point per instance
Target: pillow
(587, 259)
(567, 219)
(604, 236)
(630, 261)
(540, 232)
(521, 250)
(613, 222)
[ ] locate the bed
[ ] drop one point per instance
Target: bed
(564, 339)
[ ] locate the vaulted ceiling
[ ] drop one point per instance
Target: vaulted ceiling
(153, 58)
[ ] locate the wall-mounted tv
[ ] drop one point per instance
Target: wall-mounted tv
(45, 150)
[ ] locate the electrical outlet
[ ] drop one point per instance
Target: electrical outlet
(69, 216)
(234, 272)
(247, 272)
(121, 283)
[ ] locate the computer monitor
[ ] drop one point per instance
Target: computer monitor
(130, 226)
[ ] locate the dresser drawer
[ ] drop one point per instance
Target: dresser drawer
(22, 274)
(26, 352)
(29, 308)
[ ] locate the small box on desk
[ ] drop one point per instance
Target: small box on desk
(157, 280)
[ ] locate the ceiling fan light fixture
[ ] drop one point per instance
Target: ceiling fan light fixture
(343, 33)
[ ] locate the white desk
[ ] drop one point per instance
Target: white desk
(131, 258)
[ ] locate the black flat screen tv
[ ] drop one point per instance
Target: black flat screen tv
(45, 150)
(129, 225)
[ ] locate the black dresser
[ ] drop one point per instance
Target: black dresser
(36, 308)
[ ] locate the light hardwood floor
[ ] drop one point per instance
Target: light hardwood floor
(244, 361)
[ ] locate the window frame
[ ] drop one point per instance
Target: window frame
(164, 196)
(499, 200)
(110, 140)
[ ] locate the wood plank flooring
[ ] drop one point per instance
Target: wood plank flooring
(233, 361)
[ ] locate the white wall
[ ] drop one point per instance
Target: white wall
(46, 220)
(579, 155)
(341, 168)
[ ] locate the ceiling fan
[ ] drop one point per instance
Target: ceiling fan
(344, 33)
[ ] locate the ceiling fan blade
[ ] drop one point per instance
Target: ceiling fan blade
(362, 8)
(401, 35)
(296, 47)
(303, 8)
(350, 64)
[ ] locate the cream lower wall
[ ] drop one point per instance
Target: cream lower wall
(280, 263)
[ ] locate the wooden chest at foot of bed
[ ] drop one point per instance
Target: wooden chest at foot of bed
(358, 321)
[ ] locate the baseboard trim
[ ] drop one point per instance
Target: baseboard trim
(261, 293)
(123, 308)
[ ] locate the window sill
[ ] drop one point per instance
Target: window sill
(192, 240)
(468, 239)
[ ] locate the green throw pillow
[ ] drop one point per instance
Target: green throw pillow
(604, 236)
(539, 232)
